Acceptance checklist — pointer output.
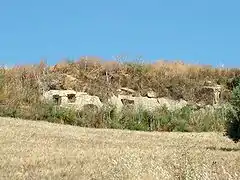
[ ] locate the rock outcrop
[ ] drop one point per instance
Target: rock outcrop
(149, 103)
(151, 94)
(125, 97)
(72, 99)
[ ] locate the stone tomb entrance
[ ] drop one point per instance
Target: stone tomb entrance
(72, 99)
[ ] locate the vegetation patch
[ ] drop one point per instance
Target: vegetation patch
(21, 88)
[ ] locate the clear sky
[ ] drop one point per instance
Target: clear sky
(195, 31)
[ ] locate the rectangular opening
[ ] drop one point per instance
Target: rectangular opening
(57, 99)
(71, 98)
(127, 101)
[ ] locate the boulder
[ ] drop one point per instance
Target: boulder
(151, 94)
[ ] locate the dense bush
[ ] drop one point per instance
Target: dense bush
(233, 116)
(233, 82)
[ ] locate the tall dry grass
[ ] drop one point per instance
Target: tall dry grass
(171, 79)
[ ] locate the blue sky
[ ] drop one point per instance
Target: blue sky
(195, 31)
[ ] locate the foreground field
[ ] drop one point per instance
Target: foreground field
(41, 150)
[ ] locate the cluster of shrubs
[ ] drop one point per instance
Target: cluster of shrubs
(186, 119)
(233, 114)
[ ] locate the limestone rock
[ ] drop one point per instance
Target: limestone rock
(151, 94)
(72, 99)
(125, 91)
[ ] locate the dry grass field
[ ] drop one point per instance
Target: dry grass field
(41, 150)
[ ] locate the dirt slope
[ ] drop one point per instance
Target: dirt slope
(41, 150)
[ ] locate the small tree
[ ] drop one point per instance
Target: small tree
(233, 116)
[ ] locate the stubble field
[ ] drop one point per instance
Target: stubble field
(42, 150)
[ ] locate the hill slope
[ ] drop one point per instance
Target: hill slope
(39, 150)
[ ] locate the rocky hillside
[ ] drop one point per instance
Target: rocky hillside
(21, 89)
(174, 80)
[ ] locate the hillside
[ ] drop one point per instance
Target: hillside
(22, 88)
(39, 150)
(173, 79)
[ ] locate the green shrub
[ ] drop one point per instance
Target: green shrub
(113, 118)
(90, 118)
(8, 111)
(233, 116)
(140, 121)
(233, 83)
(128, 119)
(184, 120)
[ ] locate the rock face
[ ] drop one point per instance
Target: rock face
(124, 97)
(72, 99)
(149, 103)
(215, 92)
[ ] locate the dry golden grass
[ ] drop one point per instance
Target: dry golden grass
(41, 150)
(172, 79)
